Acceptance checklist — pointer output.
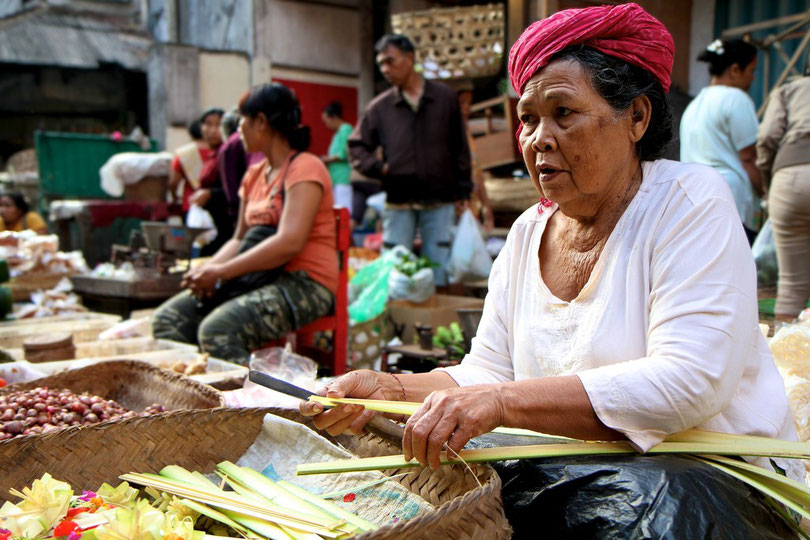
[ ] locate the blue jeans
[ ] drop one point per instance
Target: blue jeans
(399, 228)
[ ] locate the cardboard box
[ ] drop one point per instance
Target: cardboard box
(439, 310)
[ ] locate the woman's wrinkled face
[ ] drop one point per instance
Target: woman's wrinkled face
(577, 148)
(9, 211)
(210, 130)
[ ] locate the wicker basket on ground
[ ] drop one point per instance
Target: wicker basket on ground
(197, 440)
(135, 385)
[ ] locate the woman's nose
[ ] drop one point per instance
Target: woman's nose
(544, 140)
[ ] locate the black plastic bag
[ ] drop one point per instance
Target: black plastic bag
(611, 497)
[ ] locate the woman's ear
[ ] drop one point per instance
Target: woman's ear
(640, 113)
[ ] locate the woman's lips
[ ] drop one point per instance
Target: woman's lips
(547, 174)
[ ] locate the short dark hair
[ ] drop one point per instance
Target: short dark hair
(721, 54)
(334, 109)
(230, 122)
(208, 112)
(281, 108)
(18, 199)
(619, 83)
(394, 40)
(195, 130)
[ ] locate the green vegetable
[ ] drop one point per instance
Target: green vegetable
(444, 335)
(455, 330)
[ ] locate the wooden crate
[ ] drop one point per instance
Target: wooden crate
(217, 371)
(22, 286)
(455, 42)
(83, 327)
(493, 124)
(508, 195)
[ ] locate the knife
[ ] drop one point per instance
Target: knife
(382, 427)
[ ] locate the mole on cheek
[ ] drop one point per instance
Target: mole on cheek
(577, 158)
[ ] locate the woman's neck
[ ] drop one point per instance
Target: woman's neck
(724, 80)
(277, 151)
(587, 231)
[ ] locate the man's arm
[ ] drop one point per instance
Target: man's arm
(363, 144)
(748, 156)
(461, 150)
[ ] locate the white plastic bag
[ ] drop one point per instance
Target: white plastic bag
(199, 217)
(469, 258)
(764, 251)
(129, 168)
(417, 288)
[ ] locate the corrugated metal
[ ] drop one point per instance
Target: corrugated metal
(732, 13)
(44, 38)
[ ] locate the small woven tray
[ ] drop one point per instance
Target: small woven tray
(135, 385)
(198, 440)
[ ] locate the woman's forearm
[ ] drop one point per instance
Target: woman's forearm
(554, 405)
(270, 253)
(418, 386)
(227, 252)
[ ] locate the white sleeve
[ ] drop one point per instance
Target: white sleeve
(490, 360)
(742, 121)
(702, 324)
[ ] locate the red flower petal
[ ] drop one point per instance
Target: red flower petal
(65, 528)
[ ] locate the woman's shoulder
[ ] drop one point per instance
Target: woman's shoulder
(306, 166)
(696, 183)
(307, 163)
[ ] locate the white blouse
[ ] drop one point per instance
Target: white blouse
(664, 336)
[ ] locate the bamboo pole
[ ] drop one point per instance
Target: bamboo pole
(793, 59)
(781, 449)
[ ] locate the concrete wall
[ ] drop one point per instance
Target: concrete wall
(224, 77)
(308, 35)
(10, 7)
(217, 24)
(702, 34)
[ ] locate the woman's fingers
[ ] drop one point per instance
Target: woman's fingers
(310, 408)
(360, 424)
(338, 419)
(436, 440)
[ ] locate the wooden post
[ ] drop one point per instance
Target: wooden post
(516, 16)
(766, 74)
(795, 58)
(547, 8)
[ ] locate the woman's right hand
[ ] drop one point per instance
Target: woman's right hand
(364, 384)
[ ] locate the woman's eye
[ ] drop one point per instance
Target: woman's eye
(563, 111)
(527, 119)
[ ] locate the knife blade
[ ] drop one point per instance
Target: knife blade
(382, 427)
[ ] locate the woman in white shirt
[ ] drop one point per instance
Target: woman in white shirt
(624, 303)
(719, 127)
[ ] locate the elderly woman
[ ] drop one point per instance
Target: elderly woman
(623, 305)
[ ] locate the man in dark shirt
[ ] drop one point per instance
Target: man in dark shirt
(426, 161)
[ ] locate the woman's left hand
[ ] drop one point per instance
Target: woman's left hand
(203, 282)
(454, 417)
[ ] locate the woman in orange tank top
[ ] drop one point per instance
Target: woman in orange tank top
(279, 271)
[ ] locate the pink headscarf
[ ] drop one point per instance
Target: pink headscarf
(625, 31)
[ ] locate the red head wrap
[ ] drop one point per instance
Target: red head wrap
(625, 31)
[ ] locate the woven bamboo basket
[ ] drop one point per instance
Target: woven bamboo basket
(135, 385)
(455, 42)
(198, 440)
(366, 341)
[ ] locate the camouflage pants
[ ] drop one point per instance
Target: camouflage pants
(246, 322)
